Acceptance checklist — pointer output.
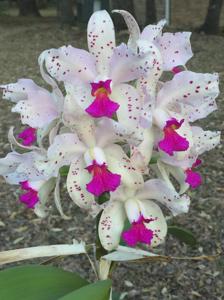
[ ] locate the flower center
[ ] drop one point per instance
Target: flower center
(193, 178)
(28, 136)
(172, 141)
(138, 232)
(103, 180)
(101, 92)
(102, 106)
(30, 197)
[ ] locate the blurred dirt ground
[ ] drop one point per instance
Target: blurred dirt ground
(20, 44)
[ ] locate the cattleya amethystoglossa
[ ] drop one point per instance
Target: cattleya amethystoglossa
(115, 117)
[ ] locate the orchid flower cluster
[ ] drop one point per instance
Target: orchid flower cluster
(121, 129)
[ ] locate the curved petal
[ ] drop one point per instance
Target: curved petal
(101, 39)
(56, 92)
(193, 93)
(21, 90)
(141, 154)
(156, 189)
(111, 225)
(180, 176)
(147, 84)
(119, 163)
(78, 98)
(175, 49)
(77, 179)
(16, 167)
(38, 110)
(132, 135)
(205, 140)
(85, 129)
(68, 64)
(129, 111)
(62, 152)
(133, 28)
(150, 32)
(43, 195)
(127, 65)
(132, 210)
(105, 133)
(150, 210)
(48, 129)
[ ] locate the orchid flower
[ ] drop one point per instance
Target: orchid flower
(148, 224)
(175, 48)
(184, 169)
(97, 164)
(19, 169)
(186, 98)
(96, 79)
(38, 108)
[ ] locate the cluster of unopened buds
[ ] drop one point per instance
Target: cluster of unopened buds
(122, 132)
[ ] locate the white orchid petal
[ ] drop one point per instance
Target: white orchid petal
(37, 111)
(16, 167)
(77, 179)
(119, 163)
(175, 49)
(85, 129)
(111, 225)
(141, 154)
(133, 28)
(43, 194)
(101, 39)
(205, 140)
(156, 189)
(129, 111)
(57, 94)
(150, 32)
(64, 149)
(148, 82)
(68, 64)
(36, 105)
(124, 253)
(180, 176)
(132, 210)
(105, 133)
(20, 90)
(190, 94)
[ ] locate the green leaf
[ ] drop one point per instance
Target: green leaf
(153, 160)
(35, 282)
(103, 198)
(116, 296)
(64, 171)
(183, 235)
(99, 290)
(127, 226)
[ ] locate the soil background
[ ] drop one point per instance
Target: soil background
(21, 41)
